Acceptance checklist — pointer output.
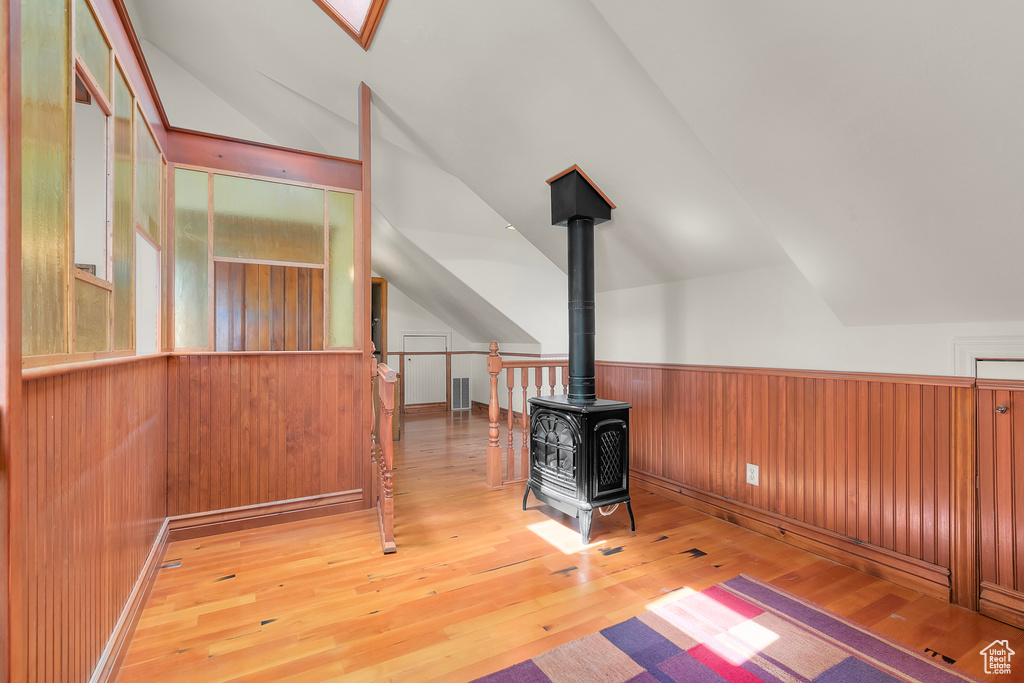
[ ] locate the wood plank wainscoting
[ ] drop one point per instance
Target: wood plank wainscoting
(120, 456)
(87, 532)
(246, 430)
(1001, 498)
(876, 471)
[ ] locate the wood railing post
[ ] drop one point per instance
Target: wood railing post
(494, 476)
(374, 425)
(386, 380)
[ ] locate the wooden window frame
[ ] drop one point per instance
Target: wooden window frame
(139, 230)
(363, 36)
(80, 71)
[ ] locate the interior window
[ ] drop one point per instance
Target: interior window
(90, 177)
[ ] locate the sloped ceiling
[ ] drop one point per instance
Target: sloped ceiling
(874, 145)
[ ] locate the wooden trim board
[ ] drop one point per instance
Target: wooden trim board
(440, 407)
(1002, 604)
(121, 637)
(183, 527)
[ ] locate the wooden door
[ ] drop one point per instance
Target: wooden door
(1001, 498)
(425, 372)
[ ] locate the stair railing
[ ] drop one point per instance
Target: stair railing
(382, 449)
(510, 465)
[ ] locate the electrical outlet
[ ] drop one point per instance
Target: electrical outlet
(753, 474)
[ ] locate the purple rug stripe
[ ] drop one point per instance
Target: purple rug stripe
(854, 638)
(853, 670)
(644, 645)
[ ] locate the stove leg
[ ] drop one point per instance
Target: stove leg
(526, 495)
(586, 517)
(632, 522)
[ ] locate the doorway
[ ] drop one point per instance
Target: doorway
(379, 318)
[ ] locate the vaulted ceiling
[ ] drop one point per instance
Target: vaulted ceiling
(875, 145)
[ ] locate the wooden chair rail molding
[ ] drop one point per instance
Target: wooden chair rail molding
(503, 466)
(931, 380)
(40, 372)
(382, 450)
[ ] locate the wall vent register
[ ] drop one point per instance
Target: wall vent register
(460, 393)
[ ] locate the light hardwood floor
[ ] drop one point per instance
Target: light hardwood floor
(477, 584)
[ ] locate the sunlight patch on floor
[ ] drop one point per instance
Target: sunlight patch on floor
(734, 637)
(561, 538)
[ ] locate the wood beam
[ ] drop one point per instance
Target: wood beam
(12, 601)
(363, 303)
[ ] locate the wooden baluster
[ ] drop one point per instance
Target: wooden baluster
(552, 376)
(493, 412)
(565, 379)
(510, 462)
(538, 378)
(524, 451)
(386, 509)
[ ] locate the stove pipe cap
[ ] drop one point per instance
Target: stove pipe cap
(574, 195)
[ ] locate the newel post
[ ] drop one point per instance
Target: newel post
(373, 421)
(386, 457)
(493, 449)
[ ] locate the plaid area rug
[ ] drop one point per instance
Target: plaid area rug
(739, 631)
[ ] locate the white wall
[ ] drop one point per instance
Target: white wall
(770, 317)
(405, 316)
(192, 105)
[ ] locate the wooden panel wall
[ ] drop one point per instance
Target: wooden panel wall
(869, 458)
(268, 308)
(1001, 499)
(246, 429)
(93, 467)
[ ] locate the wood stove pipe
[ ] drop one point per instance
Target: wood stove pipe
(582, 322)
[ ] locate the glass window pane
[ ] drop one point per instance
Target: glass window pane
(147, 180)
(341, 297)
(124, 231)
(92, 46)
(354, 11)
(90, 171)
(267, 221)
(46, 128)
(92, 320)
(191, 259)
(147, 296)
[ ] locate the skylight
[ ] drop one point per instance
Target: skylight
(359, 18)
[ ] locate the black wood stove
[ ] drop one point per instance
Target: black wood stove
(579, 444)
